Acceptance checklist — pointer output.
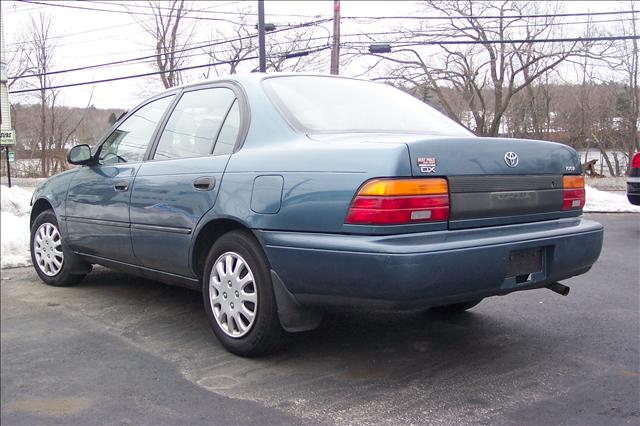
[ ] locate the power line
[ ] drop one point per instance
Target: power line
(16, 45)
(534, 16)
(346, 44)
(119, 63)
(380, 33)
(126, 77)
(16, 49)
(150, 58)
(544, 15)
(22, 9)
(78, 33)
(548, 15)
(400, 32)
(141, 58)
(535, 24)
(454, 42)
(127, 12)
(221, 12)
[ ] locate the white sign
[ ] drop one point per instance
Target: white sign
(7, 137)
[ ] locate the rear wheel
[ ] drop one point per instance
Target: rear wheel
(455, 308)
(50, 257)
(238, 296)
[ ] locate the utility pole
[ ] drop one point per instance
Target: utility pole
(7, 135)
(261, 48)
(335, 49)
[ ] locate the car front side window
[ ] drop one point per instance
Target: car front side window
(195, 123)
(128, 143)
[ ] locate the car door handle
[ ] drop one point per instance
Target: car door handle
(204, 183)
(122, 186)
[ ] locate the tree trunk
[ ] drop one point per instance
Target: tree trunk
(43, 134)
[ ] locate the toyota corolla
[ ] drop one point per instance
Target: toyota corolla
(280, 195)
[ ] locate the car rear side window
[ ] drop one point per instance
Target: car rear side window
(195, 123)
(229, 132)
(129, 142)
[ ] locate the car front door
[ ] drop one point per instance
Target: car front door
(97, 208)
(180, 182)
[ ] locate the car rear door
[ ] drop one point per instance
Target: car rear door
(179, 183)
(97, 208)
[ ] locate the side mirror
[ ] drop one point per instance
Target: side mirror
(80, 154)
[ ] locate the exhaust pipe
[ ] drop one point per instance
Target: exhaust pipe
(561, 289)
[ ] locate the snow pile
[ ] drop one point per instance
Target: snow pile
(608, 202)
(14, 226)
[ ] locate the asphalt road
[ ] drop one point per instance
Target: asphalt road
(122, 350)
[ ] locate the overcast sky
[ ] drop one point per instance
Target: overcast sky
(92, 37)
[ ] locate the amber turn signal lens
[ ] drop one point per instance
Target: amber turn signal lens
(573, 192)
(573, 182)
(395, 187)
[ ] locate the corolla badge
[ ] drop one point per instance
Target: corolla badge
(511, 158)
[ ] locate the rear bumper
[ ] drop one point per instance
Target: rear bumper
(428, 268)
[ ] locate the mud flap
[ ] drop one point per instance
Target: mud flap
(293, 317)
(75, 264)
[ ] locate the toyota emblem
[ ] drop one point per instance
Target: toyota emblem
(511, 158)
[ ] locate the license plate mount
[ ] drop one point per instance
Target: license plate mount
(527, 261)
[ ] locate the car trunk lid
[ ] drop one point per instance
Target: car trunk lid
(496, 181)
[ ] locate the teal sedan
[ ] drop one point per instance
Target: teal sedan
(280, 195)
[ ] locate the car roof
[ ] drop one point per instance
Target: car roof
(253, 78)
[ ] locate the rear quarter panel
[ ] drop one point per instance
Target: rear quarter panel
(319, 182)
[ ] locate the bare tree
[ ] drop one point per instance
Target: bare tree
(604, 112)
(54, 127)
(507, 58)
(170, 35)
(37, 55)
(624, 59)
(230, 55)
(18, 63)
(298, 50)
(287, 49)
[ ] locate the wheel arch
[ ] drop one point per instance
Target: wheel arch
(39, 206)
(292, 316)
(208, 235)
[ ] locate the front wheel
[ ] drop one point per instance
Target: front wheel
(238, 296)
(455, 308)
(50, 257)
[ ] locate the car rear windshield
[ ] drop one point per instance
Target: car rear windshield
(317, 104)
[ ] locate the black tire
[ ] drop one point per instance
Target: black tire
(455, 308)
(63, 277)
(265, 335)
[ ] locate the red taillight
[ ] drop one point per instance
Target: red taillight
(635, 161)
(400, 201)
(573, 191)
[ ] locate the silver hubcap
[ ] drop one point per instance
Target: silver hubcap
(233, 294)
(47, 247)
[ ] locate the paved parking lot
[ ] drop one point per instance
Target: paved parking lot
(123, 350)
